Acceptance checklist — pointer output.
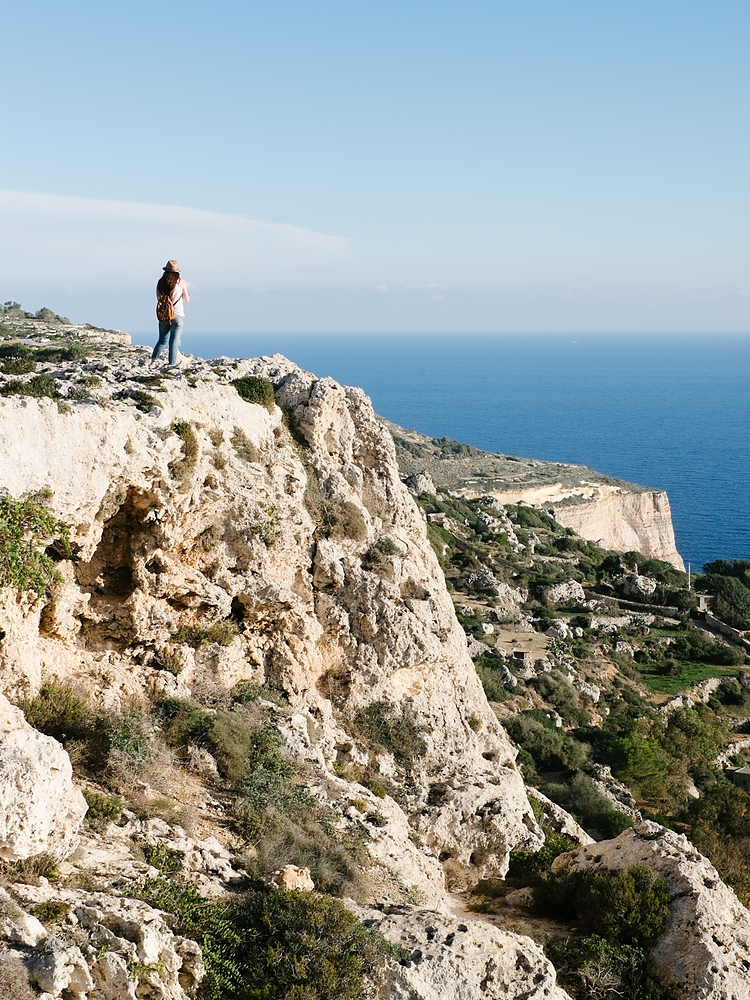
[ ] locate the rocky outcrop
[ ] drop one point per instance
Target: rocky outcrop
(704, 952)
(41, 811)
(308, 536)
(462, 959)
(103, 947)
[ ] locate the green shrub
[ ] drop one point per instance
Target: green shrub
(268, 527)
(731, 600)
(163, 858)
(255, 389)
(103, 809)
(39, 386)
(718, 824)
(626, 907)
(30, 870)
(222, 632)
(561, 694)
(592, 968)
(182, 467)
(585, 802)
(18, 366)
(552, 749)
(15, 350)
(62, 352)
(131, 734)
(491, 677)
(51, 912)
(143, 400)
(243, 446)
(25, 526)
(529, 869)
(399, 732)
(58, 712)
(272, 946)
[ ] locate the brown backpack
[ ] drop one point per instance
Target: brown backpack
(165, 308)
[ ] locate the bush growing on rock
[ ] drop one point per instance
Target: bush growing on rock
(593, 968)
(281, 945)
(626, 907)
(255, 389)
(25, 527)
(397, 731)
(182, 467)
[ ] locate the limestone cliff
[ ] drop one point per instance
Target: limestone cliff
(283, 532)
(618, 515)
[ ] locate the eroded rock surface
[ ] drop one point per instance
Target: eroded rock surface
(41, 810)
(705, 950)
(309, 538)
(445, 956)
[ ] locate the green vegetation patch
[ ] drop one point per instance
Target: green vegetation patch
(626, 907)
(400, 732)
(243, 446)
(222, 632)
(51, 912)
(255, 389)
(273, 946)
(103, 809)
(39, 386)
(25, 527)
(143, 400)
(182, 467)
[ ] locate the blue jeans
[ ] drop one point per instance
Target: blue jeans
(172, 330)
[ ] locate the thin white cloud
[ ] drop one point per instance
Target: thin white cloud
(85, 242)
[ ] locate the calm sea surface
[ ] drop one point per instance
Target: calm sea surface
(667, 411)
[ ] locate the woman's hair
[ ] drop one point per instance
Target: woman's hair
(166, 284)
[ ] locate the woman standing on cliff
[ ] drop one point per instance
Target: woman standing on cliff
(171, 295)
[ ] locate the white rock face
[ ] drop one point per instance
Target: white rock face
(312, 539)
(705, 950)
(461, 959)
(41, 811)
(112, 934)
(626, 522)
(561, 593)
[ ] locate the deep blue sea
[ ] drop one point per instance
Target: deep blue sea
(668, 411)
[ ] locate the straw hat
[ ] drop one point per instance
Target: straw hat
(172, 265)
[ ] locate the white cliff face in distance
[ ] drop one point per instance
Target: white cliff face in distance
(617, 515)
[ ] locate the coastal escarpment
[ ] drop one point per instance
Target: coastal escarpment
(620, 516)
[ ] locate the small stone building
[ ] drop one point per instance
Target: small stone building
(740, 776)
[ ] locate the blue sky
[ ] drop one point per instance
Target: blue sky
(535, 165)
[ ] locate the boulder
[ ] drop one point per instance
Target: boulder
(564, 593)
(558, 631)
(460, 959)
(589, 692)
(420, 482)
(41, 810)
(290, 877)
(638, 586)
(704, 952)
